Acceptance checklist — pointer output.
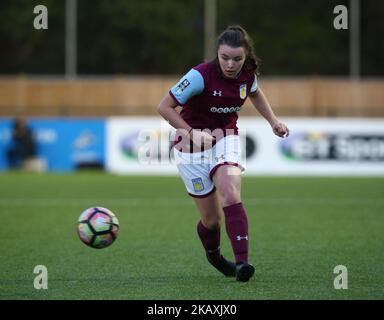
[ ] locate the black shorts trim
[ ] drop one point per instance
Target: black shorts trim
(203, 195)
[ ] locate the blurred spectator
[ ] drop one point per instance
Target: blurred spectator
(23, 146)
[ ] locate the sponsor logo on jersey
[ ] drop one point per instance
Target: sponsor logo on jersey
(225, 110)
(182, 86)
(198, 184)
(243, 91)
(216, 93)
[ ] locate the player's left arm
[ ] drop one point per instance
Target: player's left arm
(260, 101)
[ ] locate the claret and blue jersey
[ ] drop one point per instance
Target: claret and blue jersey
(209, 100)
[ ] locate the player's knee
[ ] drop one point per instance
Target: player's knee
(212, 223)
(229, 195)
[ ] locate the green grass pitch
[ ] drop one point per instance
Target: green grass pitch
(300, 229)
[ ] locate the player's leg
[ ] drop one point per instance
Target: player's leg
(208, 230)
(227, 179)
(199, 186)
(209, 208)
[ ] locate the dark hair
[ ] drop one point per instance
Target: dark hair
(235, 36)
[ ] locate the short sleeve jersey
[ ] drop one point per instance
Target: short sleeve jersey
(210, 101)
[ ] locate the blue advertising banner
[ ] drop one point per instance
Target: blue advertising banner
(65, 144)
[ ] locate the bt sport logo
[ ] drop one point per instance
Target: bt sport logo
(320, 146)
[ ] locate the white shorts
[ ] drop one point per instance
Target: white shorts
(197, 169)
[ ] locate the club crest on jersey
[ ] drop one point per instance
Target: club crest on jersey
(243, 91)
(198, 184)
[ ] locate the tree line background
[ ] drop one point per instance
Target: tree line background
(292, 37)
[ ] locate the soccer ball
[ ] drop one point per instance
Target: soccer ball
(98, 227)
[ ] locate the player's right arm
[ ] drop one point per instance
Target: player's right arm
(166, 108)
(190, 85)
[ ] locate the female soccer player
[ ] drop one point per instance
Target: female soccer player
(207, 150)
